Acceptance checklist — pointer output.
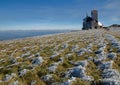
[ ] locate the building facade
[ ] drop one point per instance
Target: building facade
(91, 22)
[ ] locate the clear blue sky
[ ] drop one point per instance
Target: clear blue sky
(55, 14)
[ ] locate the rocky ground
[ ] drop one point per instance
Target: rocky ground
(89, 57)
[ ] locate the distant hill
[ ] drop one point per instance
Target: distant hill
(114, 25)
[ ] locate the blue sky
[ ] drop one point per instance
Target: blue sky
(55, 14)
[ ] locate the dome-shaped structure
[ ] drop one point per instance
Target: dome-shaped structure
(100, 24)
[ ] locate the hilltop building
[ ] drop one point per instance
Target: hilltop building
(91, 22)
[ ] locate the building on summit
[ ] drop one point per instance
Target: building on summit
(91, 22)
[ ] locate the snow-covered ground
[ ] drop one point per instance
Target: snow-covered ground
(88, 57)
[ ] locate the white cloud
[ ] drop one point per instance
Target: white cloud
(115, 19)
(111, 12)
(113, 4)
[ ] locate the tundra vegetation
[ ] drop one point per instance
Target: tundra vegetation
(89, 57)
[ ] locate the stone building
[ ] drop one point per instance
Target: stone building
(91, 22)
